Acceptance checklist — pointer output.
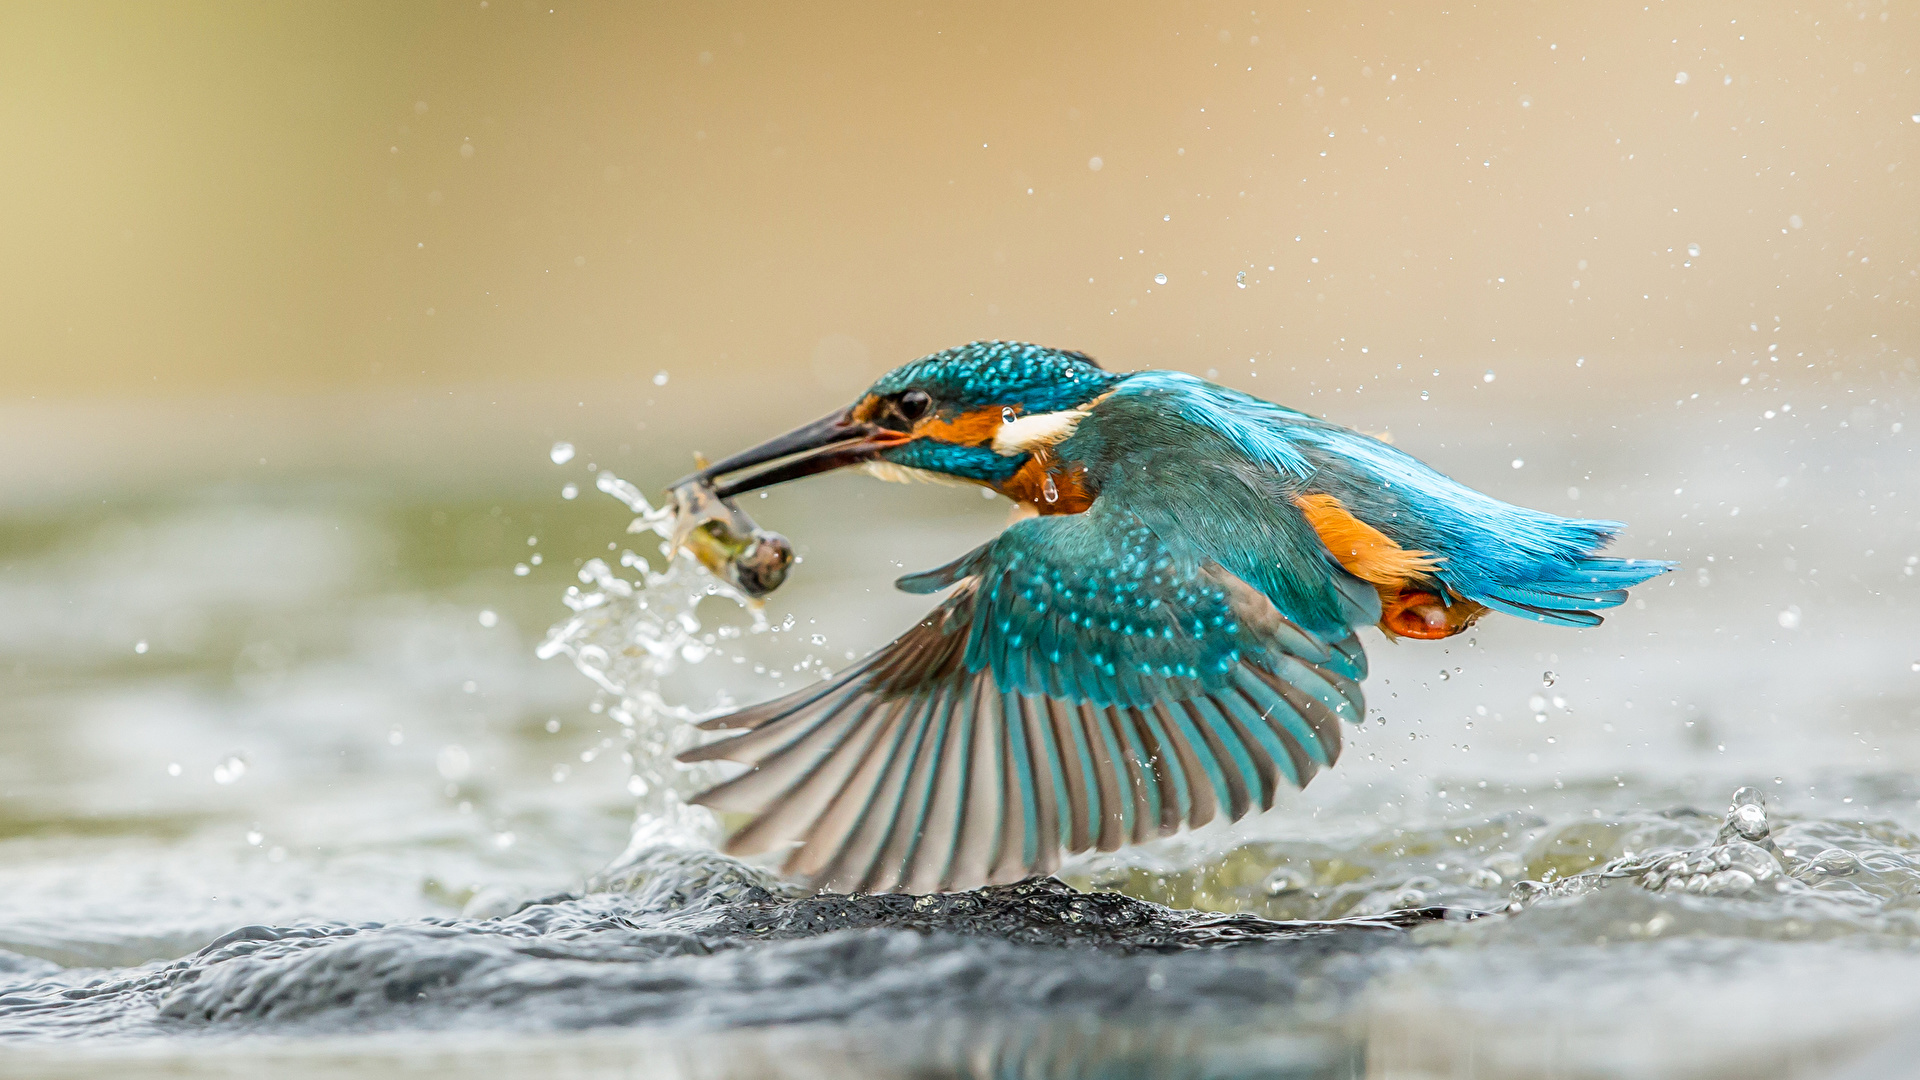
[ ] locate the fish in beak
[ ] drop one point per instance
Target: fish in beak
(713, 528)
(829, 443)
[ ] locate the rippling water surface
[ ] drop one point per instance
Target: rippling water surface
(286, 791)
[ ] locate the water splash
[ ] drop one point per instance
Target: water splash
(1560, 875)
(632, 630)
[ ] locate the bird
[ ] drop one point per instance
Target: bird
(1166, 635)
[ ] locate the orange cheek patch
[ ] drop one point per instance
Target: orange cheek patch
(966, 429)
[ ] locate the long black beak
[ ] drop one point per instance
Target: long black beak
(828, 443)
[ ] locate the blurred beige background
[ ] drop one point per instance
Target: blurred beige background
(458, 218)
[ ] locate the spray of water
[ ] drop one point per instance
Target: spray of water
(632, 633)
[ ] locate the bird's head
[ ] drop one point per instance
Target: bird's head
(978, 412)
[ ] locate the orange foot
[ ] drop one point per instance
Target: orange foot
(1424, 615)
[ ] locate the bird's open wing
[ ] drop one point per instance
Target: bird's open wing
(1086, 685)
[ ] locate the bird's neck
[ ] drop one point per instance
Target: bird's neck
(1049, 484)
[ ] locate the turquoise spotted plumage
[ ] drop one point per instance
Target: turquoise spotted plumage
(1170, 641)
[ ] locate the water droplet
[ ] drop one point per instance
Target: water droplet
(1693, 251)
(1240, 279)
(1790, 618)
(1548, 678)
(173, 767)
(503, 840)
(233, 768)
(1488, 377)
(254, 837)
(659, 378)
(1748, 814)
(553, 725)
(571, 491)
(1095, 164)
(1680, 78)
(1518, 462)
(1159, 279)
(1445, 675)
(561, 453)
(521, 569)
(140, 647)
(452, 762)
(1424, 395)
(488, 619)
(1048, 491)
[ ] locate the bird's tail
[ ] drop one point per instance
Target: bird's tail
(1568, 594)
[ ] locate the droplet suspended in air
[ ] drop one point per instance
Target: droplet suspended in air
(1488, 377)
(659, 378)
(488, 619)
(521, 569)
(1240, 279)
(1048, 491)
(1159, 279)
(571, 491)
(1693, 251)
(1548, 678)
(1518, 462)
(561, 453)
(140, 647)
(233, 768)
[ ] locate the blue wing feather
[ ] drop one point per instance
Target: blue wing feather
(1078, 626)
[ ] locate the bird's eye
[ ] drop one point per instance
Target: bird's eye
(913, 405)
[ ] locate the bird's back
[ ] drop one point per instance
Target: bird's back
(1233, 468)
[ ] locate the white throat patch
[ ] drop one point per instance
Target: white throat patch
(907, 474)
(1036, 432)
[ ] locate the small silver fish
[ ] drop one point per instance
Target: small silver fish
(726, 541)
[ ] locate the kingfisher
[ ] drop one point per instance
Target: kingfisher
(1165, 636)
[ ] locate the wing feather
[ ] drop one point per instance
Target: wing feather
(1084, 686)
